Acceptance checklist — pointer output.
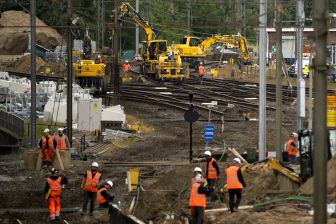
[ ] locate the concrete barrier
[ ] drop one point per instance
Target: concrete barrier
(117, 217)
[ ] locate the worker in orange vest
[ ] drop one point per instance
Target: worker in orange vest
(201, 72)
(53, 190)
(212, 171)
(291, 147)
(126, 67)
(103, 197)
(90, 185)
(47, 145)
(197, 200)
(234, 183)
(62, 140)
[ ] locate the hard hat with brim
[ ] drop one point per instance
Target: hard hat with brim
(236, 160)
(198, 169)
(110, 183)
(46, 130)
(95, 164)
(207, 153)
(60, 129)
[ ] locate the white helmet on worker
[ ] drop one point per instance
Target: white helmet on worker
(110, 183)
(95, 164)
(294, 134)
(236, 160)
(198, 169)
(126, 61)
(207, 153)
(201, 63)
(60, 129)
(198, 178)
(46, 130)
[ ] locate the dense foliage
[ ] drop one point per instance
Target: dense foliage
(170, 17)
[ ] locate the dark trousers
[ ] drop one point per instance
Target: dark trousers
(104, 205)
(88, 195)
(232, 202)
(197, 213)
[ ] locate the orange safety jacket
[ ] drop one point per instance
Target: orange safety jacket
(91, 183)
(55, 186)
(291, 149)
(196, 199)
(212, 172)
(50, 142)
(201, 70)
(100, 198)
(61, 143)
(232, 181)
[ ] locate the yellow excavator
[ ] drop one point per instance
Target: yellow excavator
(192, 49)
(158, 63)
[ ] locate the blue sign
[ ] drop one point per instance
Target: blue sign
(209, 131)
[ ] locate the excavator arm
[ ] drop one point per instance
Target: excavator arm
(126, 11)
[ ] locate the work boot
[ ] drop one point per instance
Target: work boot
(58, 217)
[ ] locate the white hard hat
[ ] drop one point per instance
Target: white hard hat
(236, 160)
(60, 129)
(201, 63)
(294, 134)
(46, 130)
(207, 153)
(110, 183)
(126, 61)
(95, 164)
(198, 178)
(198, 169)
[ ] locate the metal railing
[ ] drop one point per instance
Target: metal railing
(12, 123)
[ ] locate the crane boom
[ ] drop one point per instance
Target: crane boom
(126, 10)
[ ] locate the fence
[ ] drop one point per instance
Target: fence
(12, 123)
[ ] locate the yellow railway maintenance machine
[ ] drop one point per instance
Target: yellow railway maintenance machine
(157, 62)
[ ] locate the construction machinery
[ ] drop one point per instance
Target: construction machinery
(157, 62)
(89, 73)
(192, 49)
(306, 148)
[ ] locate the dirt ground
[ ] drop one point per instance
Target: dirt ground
(166, 187)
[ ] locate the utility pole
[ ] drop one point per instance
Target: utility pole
(279, 79)
(262, 79)
(300, 81)
(98, 24)
(310, 98)
(320, 121)
(244, 18)
(115, 49)
(69, 73)
(189, 17)
(137, 30)
(102, 24)
(33, 72)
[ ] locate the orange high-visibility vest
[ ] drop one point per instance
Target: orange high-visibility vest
(232, 181)
(212, 172)
(196, 199)
(91, 183)
(61, 143)
(50, 142)
(55, 186)
(291, 149)
(201, 70)
(100, 198)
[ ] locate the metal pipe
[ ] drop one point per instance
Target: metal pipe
(320, 121)
(262, 79)
(33, 72)
(69, 74)
(137, 30)
(116, 54)
(299, 43)
(279, 74)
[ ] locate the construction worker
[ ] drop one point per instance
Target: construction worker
(197, 200)
(90, 185)
(212, 171)
(47, 145)
(291, 147)
(53, 190)
(103, 197)
(201, 72)
(234, 184)
(62, 140)
(126, 67)
(305, 71)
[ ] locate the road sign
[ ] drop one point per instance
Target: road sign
(191, 115)
(209, 132)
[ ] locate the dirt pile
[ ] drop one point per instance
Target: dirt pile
(23, 64)
(308, 188)
(14, 28)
